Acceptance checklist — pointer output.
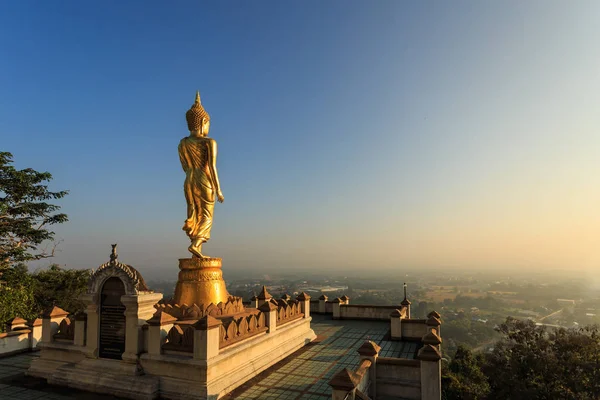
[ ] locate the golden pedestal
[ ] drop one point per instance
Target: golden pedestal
(200, 282)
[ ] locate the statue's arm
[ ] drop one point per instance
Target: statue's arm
(182, 157)
(212, 148)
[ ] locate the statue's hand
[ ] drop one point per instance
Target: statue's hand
(220, 197)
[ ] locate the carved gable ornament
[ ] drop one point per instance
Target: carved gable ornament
(132, 280)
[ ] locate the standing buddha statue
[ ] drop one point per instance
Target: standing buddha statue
(198, 156)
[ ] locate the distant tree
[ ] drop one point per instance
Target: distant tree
(25, 214)
(530, 362)
(463, 378)
(16, 295)
(60, 287)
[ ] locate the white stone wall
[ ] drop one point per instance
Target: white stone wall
(366, 312)
(398, 378)
(15, 342)
(414, 328)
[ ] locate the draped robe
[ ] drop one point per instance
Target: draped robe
(195, 156)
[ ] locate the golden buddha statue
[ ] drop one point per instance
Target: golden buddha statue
(198, 156)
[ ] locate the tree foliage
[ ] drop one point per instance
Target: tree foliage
(463, 378)
(529, 362)
(17, 297)
(25, 213)
(26, 216)
(27, 295)
(60, 287)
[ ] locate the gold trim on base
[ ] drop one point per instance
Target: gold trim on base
(200, 282)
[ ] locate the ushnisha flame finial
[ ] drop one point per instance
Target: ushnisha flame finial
(196, 114)
(113, 254)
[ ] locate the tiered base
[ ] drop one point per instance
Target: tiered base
(200, 282)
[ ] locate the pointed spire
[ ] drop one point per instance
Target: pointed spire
(429, 353)
(431, 337)
(264, 295)
(303, 296)
(55, 312)
(369, 349)
(197, 97)
(161, 318)
(345, 380)
(405, 302)
(113, 254)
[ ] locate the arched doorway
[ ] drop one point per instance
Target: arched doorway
(112, 320)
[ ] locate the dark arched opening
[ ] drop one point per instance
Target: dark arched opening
(112, 320)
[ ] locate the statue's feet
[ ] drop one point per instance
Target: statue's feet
(196, 252)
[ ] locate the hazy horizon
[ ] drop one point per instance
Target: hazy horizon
(352, 135)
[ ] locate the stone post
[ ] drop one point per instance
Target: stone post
(50, 323)
(158, 329)
(263, 296)
(406, 304)
(206, 338)
(432, 338)
(396, 325)
(36, 332)
(304, 300)
(91, 337)
(80, 325)
(322, 301)
(270, 311)
(254, 302)
(337, 302)
(370, 351)
(138, 309)
(343, 384)
(345, 299)
(434, 321)
(431, 372)
(15, 323)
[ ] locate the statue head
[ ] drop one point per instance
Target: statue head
(198, 120)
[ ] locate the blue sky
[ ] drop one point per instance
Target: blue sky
(351, 134)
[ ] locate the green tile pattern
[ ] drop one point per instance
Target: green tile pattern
(306, 374)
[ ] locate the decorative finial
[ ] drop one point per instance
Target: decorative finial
(113, 254)
(197, 97)
(404, 290)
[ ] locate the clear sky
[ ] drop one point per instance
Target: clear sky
(387, 134)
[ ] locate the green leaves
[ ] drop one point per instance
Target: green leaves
(532, 362)
(528, 362)
(17, 295)
(61, 287)
(27, 295)
(463, 378)
(25, 214)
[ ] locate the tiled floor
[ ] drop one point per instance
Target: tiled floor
(14, 385)
(307, 373)
(301, 376)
